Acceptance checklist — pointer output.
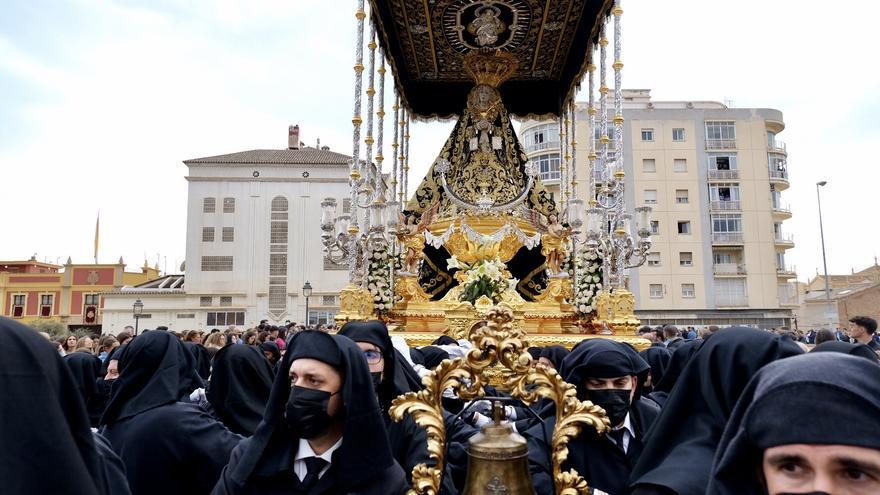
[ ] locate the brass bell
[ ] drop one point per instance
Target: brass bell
(498, 460)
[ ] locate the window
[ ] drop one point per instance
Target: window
(649, 165)
(91, 299)
(679, 165)
(228, 234)
(730, 292)
(209, 205)
(721, 131)
(206, 301)
(225, 300)
(207, 234)
(328, 300)
(186, 316)
(18, 305)
(542, 137)
(278, 233)
(655, 227)
(724, 192)
(686, 258)
(681, 196)
(684, 227)
(278, 264)
(650, 196)
(655, 291)
(678, 134)
(225, 318)
(727, 223)
(321, 317)
(548, 166)
(720, 161)
(647, 134)
(216, 263)
(654, 259)
(46, 305)
(228, 205)
(687, 291)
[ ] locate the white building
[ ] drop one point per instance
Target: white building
(253, 239)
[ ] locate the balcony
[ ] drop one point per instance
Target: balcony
(783, 240)
(721, 144)
(546, 145)
(777, 146)
(729, 269)
(780, 178)
(785, 272)
(724, 205)
(727, 238)
(730, 301)
(781, 211)
(723, 174)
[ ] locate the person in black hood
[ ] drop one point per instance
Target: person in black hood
(408, 441)
(428, 356)
(782, 439)
(847, 348)
(677, 361)
(677, 458)
(240, 384)
(271, 351)
(44, 424)
(322, 432)
(657, 358)
(201, 358)
(610, 374)
(168, 447)
(552, 356)
(86, 369)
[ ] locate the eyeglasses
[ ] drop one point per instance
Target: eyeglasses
(373, 357)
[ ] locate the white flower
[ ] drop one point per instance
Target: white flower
(511, 283)
(452, 262)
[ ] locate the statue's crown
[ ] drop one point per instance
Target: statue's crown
(491, 67)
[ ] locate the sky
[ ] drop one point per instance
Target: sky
(103, 100)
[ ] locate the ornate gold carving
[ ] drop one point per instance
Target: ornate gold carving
(355, 303)
(499, 352)
(492, 68)
(558, 290)
(408, 290)
(617, 309)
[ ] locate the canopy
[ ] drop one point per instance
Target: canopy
(426, 40)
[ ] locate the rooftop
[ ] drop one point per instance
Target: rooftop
(298, 156)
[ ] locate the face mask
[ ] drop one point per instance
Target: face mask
(614, 401)
(376, 377)
(306, 412)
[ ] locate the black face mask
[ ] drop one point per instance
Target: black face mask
(104, 386)
(306, 412)
(376, 377)
(614, 401)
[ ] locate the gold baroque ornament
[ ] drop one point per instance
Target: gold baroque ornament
(499, 346)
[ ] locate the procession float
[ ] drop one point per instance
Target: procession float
(479, 249)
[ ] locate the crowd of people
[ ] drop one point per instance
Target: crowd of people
(295, 410)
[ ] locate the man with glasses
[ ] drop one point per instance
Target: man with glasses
(387, 368)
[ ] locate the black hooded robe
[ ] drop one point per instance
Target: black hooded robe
(86, 369)
(240, 385)
(201, 358)
(168, 447)
(781, 395)
(362, 465)
(44, 426)
(602, 463)
(678, 452)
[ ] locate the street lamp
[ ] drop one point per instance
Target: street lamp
(307, 292)
(136, 310)
(824, 262)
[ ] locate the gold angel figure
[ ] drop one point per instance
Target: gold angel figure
(410, 234)
(553, 240)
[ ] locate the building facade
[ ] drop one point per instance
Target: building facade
(71, 294)
(714, 177)
(253, 240)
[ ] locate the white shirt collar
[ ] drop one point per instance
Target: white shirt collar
(304, 450)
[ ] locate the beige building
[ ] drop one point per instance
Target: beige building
(714, 177)
(855, 294)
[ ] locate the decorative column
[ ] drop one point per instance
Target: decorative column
(394, 147)
(406, 157)
(402, 156)
(562, 168)
(619, 170)
(354, 275)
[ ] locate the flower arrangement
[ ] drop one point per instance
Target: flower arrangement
(589, 283)
(484, 277)
(379, 279)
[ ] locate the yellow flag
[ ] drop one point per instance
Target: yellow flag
(97, 226)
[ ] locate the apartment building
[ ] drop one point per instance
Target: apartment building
(715, 177)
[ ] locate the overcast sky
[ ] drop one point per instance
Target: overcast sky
(101, 102)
